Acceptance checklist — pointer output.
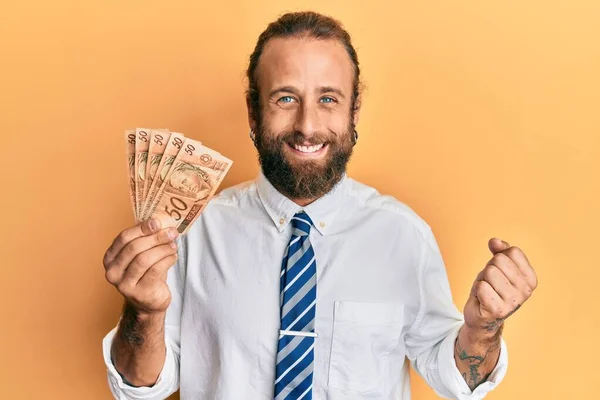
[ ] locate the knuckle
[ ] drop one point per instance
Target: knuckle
(121, 238)
(514, 251)
(162, 237)
(500, 258)
(164, 251)
(134, 248)
(534, 278)
(478, 287)
(171, 260)
(489, 271)
(105, 260)
(139, 261)
(495, 262)
(111, 276)
(125, 288)
(136, 296)
(532, 285)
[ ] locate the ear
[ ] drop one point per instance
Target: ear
(251, 114)
(356, 110)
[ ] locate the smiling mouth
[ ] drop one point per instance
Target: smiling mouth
(308, 150)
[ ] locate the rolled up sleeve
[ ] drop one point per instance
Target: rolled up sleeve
(167, 383)
(430, 341)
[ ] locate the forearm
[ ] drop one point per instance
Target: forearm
(138, 351)
(476, 353)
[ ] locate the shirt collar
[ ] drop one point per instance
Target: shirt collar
(281, 209)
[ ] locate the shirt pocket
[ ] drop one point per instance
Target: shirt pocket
(364, 334)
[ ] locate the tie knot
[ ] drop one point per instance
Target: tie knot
(301, 222)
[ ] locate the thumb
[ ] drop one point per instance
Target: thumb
(497, 245)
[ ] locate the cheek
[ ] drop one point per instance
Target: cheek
(340, 125)
(278, 120)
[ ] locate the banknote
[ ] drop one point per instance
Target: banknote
(142, 142)
(190, 183)
(130, 151)
(166, 162)
(171, 177)
(159, 138)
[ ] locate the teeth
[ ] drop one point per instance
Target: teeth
(308, 149)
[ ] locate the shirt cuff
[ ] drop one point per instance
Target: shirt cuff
(167, 383)
(454, 381)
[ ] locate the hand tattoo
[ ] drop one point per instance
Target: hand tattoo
(494, 325)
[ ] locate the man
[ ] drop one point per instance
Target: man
(304, 283)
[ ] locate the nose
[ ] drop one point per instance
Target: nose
(307, 120)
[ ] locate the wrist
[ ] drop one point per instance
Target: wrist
(131, 312)
(137, 326)
(473, 336)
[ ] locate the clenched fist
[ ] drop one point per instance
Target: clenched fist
(137, 264)
(506, 282)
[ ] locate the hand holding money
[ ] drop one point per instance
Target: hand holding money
(171, 177)
(137, 263)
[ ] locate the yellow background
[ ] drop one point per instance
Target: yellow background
(483, 116)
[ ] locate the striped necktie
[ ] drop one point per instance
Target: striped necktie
(298, 286)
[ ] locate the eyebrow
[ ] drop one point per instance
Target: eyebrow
(293, 90)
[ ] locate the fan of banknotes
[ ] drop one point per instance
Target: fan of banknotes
(171, 177)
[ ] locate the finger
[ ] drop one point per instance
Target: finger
(498, 281)
(139, 245)
(158, 270)
(145, 228)
(490, 302)
(508, 268)
(142, 262)
(136, 247)
(116, 271)
(497, 245)
(520, 259)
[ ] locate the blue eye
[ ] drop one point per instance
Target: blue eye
(327, 100)
(286, 99)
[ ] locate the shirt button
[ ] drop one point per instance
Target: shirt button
(281, 221)
(322, 224)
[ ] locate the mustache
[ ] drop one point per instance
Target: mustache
(297, 138)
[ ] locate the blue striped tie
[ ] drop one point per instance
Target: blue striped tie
(298, 285)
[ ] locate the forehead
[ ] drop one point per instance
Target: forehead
(305, 63)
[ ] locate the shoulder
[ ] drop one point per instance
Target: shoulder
(392, 209)
(234, 195)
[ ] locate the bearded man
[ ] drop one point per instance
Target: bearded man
(304, 283)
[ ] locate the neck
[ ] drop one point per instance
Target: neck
(302, 202)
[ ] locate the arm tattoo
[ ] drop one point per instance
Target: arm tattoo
(475, 378)
(492, 326)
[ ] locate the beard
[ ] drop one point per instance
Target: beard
(303, 179)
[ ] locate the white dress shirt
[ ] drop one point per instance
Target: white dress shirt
(383, 301)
